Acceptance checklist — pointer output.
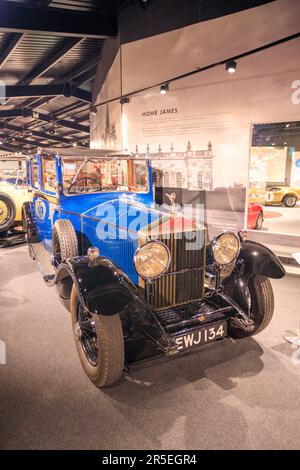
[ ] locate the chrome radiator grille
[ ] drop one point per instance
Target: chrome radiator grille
(184, 281)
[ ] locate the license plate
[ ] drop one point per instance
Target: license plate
(201, 336)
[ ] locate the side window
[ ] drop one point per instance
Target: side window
(35, 173)
(49, 175)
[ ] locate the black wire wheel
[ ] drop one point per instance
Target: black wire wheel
(64, 242)
(99, 341)
(7, 212)
(262, 306)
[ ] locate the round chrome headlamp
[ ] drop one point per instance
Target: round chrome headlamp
(152, 260)
(225, 248)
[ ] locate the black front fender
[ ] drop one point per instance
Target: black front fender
(102, 287)
(254, 258)
(258, 259)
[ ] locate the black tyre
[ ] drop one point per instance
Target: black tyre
(100, 343)
(64, 242)
(28, 225)
(290, 200)
(259, 221)
(7, 212)
(262, 306)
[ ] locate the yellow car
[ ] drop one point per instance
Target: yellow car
(13, 193)
(257, 196)
(282, 195)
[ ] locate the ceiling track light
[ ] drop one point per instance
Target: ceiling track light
(231, 66)
(124, 100)
(93, 110)
(164, 88)
(143, 3)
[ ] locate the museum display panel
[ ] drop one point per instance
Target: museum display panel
(274, 175)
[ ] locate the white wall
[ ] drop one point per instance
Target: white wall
(212, 106)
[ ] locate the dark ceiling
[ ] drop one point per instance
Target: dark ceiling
(49, 74)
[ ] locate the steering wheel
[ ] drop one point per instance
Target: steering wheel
(84, 178)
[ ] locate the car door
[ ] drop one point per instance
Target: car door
(45, 198)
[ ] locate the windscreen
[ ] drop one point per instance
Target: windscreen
(88, 175)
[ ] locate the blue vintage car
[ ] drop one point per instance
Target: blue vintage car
(139, 280)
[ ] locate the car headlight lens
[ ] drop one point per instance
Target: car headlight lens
(152, 260)
(225, 248)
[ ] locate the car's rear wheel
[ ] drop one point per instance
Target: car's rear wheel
(100, 343)
(7, 212)
(262, 306)
(259, 221)
(289, 200)
(64, 242)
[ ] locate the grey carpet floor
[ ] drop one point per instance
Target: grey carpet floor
(232, 396)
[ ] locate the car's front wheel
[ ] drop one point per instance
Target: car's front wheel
(7, 212)
(100, 343)
(259, 221)
(289, 200)
(262, 306)
(64, 242)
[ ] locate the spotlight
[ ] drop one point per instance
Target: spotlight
(164, 88)
(231, 66)
(143, 3)
(124, 100)
(74, 144)
(51, 131)
(93, 111)
(1, 142)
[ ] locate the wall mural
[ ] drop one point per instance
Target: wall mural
(190, 169)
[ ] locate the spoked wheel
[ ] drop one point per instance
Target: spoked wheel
(100, 343)
(7, 212)
(64, 242)
(290, 200)
(262, 306)
(85, 331)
